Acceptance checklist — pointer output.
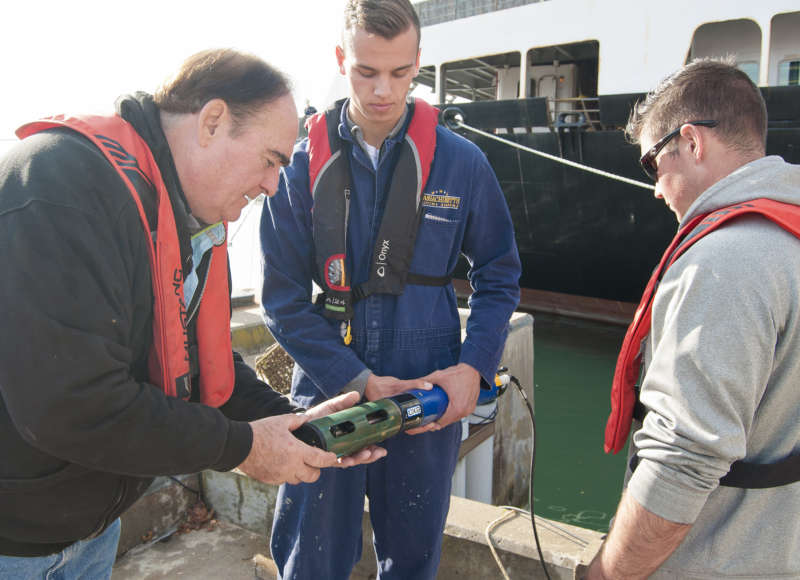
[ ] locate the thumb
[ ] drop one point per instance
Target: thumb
(426, 386)
(294, 420)
(432, 378)
(318, 458)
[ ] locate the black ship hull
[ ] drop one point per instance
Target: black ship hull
(583, 234)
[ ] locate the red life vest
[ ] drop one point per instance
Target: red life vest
(330, 184)
(629, 363)
(169, 358)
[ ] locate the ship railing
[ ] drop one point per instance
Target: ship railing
(582, 113)
(533, 115)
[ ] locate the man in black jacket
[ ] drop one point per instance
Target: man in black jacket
(87, 417)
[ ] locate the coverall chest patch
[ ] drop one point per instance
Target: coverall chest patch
(441, 199)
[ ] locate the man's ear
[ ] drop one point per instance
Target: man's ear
(211, 119)
(695, 141)
(340, 59)
(416, 64)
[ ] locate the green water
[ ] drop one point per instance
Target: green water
(575, 481)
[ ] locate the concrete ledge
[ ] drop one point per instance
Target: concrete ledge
(249, 334)
(249, 504)
(466, 551)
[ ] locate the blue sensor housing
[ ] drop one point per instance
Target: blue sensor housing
(434, 403)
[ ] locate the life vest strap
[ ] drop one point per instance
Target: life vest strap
(422, 280)
(747, 475)
(362, 291)
(762, 475)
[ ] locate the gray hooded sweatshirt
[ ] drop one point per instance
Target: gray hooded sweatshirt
(723, 384)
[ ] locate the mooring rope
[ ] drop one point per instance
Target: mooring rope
(454, 121)
(489, 541)
(551, 526)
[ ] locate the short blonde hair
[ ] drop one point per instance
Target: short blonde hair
(386, 18)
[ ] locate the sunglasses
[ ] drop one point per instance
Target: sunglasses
(648, 160)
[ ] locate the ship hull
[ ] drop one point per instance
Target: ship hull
(584, 234)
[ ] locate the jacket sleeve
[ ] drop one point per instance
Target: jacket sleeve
(76, 290)
(491, 250)
(252, 398)
(296, 323)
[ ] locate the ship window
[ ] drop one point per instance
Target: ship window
(740, 39)
(566, 76)
(784, 50)
(789, 73)
(484, 78)
(749, 68)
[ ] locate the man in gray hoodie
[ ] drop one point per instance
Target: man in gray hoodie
(713, 492)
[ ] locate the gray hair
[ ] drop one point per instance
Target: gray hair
(244, 81)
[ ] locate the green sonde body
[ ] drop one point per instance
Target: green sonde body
(349, 430)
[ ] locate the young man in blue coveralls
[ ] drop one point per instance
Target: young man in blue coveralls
(369, 334)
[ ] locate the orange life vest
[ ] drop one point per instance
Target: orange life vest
(629, 363)
(169, 358)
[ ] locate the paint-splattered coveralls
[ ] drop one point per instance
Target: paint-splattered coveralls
(317, 527)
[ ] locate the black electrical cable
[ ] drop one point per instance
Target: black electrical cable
(533, 465)
(183, 485)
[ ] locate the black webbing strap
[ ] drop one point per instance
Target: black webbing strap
(360, 292)
(763, 475)
(422, 280)
(756, 475)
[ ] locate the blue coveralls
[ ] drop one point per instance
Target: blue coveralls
(317, 527)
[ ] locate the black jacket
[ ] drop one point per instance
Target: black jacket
(82, 432)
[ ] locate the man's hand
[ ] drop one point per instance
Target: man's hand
(382, 387)
(462, 384)
(277, 456)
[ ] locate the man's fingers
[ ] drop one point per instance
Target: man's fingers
(369, 454)
(408, 385)
(434, 426)
(339, 403)
(452, 414)
(432, 378)
(344, 401)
